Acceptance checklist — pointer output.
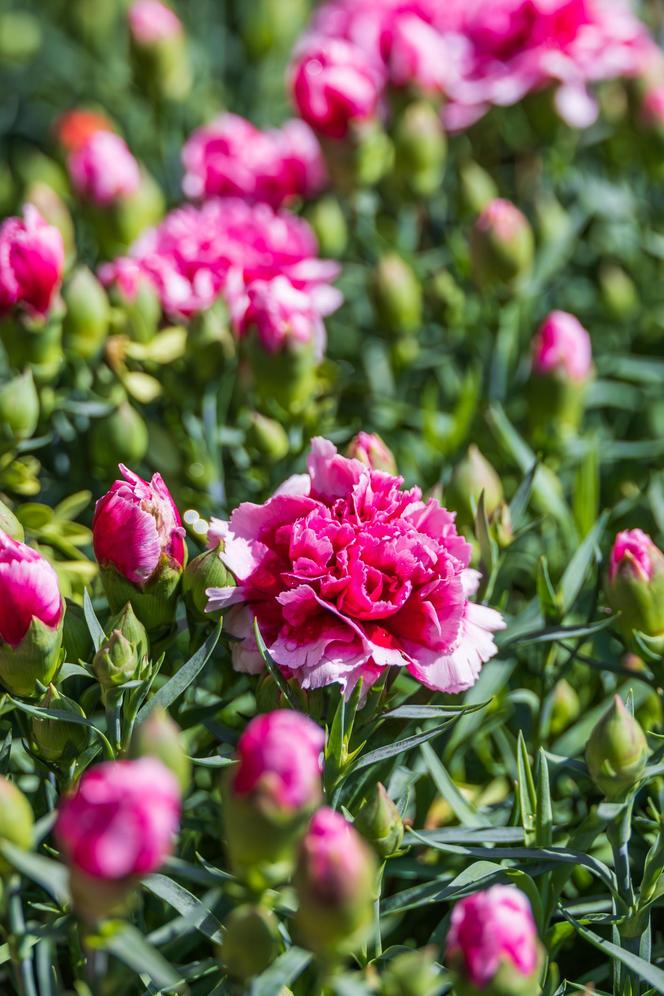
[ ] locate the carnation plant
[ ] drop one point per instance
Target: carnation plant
(331, 498)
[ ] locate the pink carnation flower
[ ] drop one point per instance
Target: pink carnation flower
(103, 169)
(120, 819)
(279, 754)
(562, 344)
(28, 590)
(635, 551)
(32, 258)
(489, 928)
(333, 859)
(151, 22)
(136, 525)
(347, 573)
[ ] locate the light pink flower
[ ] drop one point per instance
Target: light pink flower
(279, 754)
(230, 157)
(347, 574)
(32, 258)
(28, 590)
(151, 22)
(335, 85)
(333, 858)
(633, 550)
(103, 170)
(419, 55)
(136, 527)
(562, 345)
(120, 820)
(370, 449)
(489, 928)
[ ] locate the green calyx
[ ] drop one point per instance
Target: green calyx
(36, 659)
(617, 751)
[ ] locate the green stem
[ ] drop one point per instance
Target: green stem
(25, 979)
(619, 833)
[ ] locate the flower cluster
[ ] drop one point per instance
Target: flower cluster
(263, 263)
(231, 157)
(473, 53)
(347, 574)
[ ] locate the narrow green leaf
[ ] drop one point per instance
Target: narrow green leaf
(544, 822)
(576, 570)
(400, 747)
(464, 810)
(60, 716)
(521, 498)
(131, 948)
(273, 668)
(551, 634)
(585, 495)
(50, 875)
(284, 971)
(94, 626)
(527, 794)
(433, 712)
(645, 970)
(183, 678)
(186, 904)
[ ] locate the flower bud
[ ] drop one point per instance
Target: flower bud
(19, 408)
(251, 941)
(118, 437)
(619, 292)
(204, 571)
(413, 973)
(85, 325)
(56, 741)
(31, 611)
(16, 820)
(635, 587)
(477, 187)
(397, 296)
(334, 86)
(566, 707)
(271, 793)
(287, 376)
(159, 50)
(335, 881)
(103, 170)
(492, 945)
(562, 367)
(501, 245)
(138, 540)
(268, 437)
(369, 449)
(9, 524)
(617, 751)
(472, 477)
(136, 302)
(132, 629)
(379, 821)
(54, 211)
(420, 149)
(268, 24)
(328, 221)
(33, 257)
(115, 662)
(115, 827)
(159, 736)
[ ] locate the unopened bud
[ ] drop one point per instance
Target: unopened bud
(115, 662)
(268, 437)
(477, 188)
(562, 367)
(85, 324)
(635, 588)
(413, 973)
(159, 736)
(472, 477)
(420, 149)
(251, 941)
(268, 24)
(617, 751)
(207, 570)
(121, 437)
(16, 820)
(328, 221)
(133, 630)
(287, 376)
(566, 707)
(54, 740)
(369, 449)
(53, 209)
(19, 408)
(619, 291)
(397, 296)
(379, 821)
(501, 245)
(159, 50)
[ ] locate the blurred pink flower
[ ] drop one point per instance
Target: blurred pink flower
(333, 860)
(279, 754)
(136, 525)
(635, 551)
(151, 21)
(489, 928)
(232, 157)
(103, 170)
(120, 820)
(562, 345)
(347, 573)
(32, 258)
(652, 106)
(28, 590)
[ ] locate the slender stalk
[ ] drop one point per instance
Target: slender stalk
(619, 833)
(22, 961)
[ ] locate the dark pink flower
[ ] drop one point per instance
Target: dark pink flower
(562, 345)
(103, 170)
(335, 85)
(279, 754)
(32, 258)
(151, 22)
(120, 820)
(634, 551)
(333, 858)
(490, 928)
(136, 527)
(28, 590)
(347, 574)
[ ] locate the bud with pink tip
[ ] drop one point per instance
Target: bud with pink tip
(562, 367)
(501, 245)
(369, 449)
(492, 945)
(31, 613)
(635, 587)
(271, 793)
(115, 827)
(158, 48)
(103, 170)
(32, 258)
(335, 882)
(138, 540)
